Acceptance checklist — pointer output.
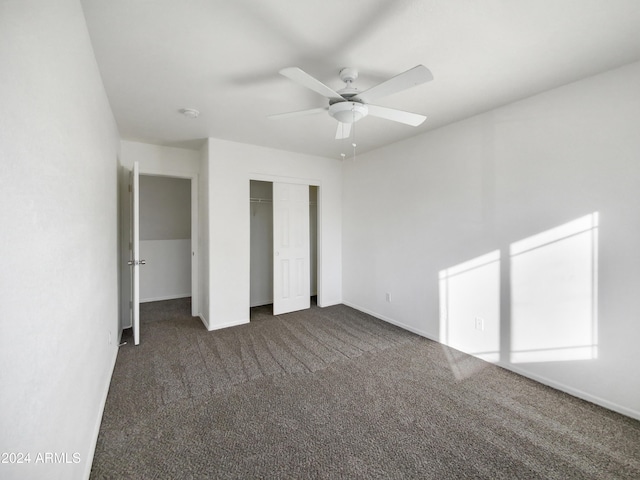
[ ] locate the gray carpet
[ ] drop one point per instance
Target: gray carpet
(335, 394)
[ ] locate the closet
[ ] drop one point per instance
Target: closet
(262, 246)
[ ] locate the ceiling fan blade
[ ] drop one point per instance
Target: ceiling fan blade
(303, 78)
(408, 118)
(415, 76)
(299, 113)
(343, 131)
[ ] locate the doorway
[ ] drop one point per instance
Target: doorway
(165, 238)
(130, 229)
(262, 247)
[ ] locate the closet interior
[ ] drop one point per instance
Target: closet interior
(261, 255)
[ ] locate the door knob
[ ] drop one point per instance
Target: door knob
(137, 262)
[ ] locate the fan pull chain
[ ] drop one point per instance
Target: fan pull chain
(353, 128)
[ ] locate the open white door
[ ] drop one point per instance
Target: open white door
(291, 281)
(134, 260)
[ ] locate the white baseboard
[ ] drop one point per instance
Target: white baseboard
(391, 321)
(260, 303)
(167, 297)
(330, 303)
(204, 321)
(507, 366)
(574, 391)
(226, 325)
(103, 402)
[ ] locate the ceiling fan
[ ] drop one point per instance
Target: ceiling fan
(349, 104)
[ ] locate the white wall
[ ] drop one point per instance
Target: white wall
(414, 209)
(231, 167)
(165, 238)
(165, 208)
(153, 160)
(313, 239)
(58, 287)
(167, 271)
(160, 160)
(203, 233)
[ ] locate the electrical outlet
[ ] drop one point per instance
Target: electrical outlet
(388, 297)
(479, 323)
(109, 337)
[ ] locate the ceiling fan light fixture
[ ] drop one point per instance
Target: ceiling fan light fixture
(348, 112)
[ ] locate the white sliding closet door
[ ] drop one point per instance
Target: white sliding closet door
(291, 281)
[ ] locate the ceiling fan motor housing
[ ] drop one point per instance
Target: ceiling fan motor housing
(348, 112)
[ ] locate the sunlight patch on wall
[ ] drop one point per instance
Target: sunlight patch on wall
(554, 280)
(470, 306)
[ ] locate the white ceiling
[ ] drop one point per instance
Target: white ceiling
(222, 57)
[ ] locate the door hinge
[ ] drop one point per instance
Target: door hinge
(129, 187)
